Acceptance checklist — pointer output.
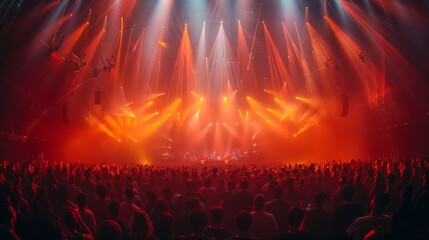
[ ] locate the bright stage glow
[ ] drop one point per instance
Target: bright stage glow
(211, 74)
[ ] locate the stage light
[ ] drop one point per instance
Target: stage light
(210, 124)
(224, 124)
(201, 99)
(217, 124)
(225, 99)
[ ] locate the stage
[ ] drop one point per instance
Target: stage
(168, 81)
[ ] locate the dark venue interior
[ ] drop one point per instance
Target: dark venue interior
(147, 99)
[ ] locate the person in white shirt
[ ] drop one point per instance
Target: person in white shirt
(264, 224)
(128, 208)
(208, 193)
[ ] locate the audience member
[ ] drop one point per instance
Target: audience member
(199, 220)
(243, 220)
(141, 227)
(374, 221)
(345, 214)
(295, 217)
(264, 225)
(278, 207)
(404, 219)
(41, 196)
(86, 214)
(216, 229)
(164, 226)
(317, 221)
(109, 230)
(128, 208)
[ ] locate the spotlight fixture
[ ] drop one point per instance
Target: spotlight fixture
(56, 46)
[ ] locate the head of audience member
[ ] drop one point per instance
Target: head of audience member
(347, 193)
(406, 176)
(258, 202)
(164, 226)
(101, 191)
(51, 229)
(278, 192)
(342, 182)
(88, 174)
(380, 201)
(290, 184)
(244, 184)
(190, 184)
(295, 217)
(168, 193)
(113, 208)
(81, 200)
(63, 193)
(192, 203)
(151, 196)
(243, 220)
(199, 219)
(391, 178)
(129, 194)
(207, 182)
(109, 230)
(141, 226)
(72, 179)
(407, 193)
(319, 199)
(231, 186)
(216, 215)
(380, 179)
(160, 206)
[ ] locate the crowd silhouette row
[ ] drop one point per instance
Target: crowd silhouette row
(385, 198)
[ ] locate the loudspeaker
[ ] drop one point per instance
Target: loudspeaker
(345, 108)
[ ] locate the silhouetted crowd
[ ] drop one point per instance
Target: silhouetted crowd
(375, 199)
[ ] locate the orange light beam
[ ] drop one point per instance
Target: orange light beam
(183, 73)
(71, 41)
(278, 72)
